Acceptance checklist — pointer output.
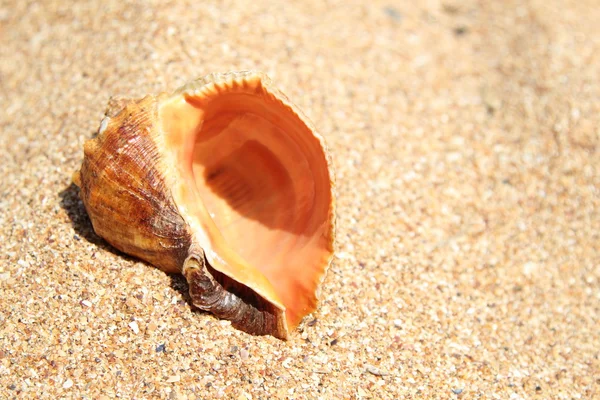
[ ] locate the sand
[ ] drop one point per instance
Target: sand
(465, 136)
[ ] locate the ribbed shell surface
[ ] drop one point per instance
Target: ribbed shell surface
(125, 193)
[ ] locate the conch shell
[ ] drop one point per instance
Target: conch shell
(226, 182)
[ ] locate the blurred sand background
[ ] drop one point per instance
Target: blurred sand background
(465, 136)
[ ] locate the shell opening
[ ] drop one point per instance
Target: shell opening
(263, 177)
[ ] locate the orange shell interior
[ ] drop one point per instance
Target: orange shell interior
(263, 177)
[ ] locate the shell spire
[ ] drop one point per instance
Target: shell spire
(226, 182)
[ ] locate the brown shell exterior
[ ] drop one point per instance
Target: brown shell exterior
(133, 224)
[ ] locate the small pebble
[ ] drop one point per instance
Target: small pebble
(86, 303)
(457, 391)
(393, 13)
(151, 327)
(244, 354)
(245, 396)
(375, 371)
(68, 384)
(173, 379)
(160, 348)
(132, 302)
(134, 327)
(460, 30)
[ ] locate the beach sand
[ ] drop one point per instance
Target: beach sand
(465, 137)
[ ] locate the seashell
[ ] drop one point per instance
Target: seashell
(226, 182)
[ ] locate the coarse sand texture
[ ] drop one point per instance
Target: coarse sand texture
(465, 139)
